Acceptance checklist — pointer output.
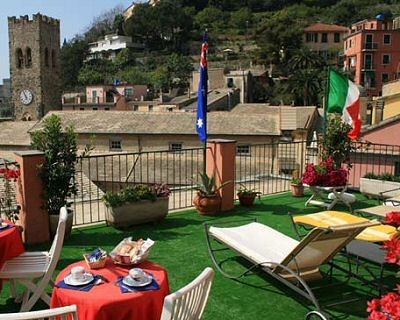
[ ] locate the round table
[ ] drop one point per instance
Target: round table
(10, 243)
(106, 301)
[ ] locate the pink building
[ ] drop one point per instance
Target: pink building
(372, 53)
(105, 97)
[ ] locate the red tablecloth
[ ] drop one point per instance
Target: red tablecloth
(105, 301)
(10, 245)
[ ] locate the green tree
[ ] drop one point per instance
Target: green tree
(125, 58)
(335, 141)
(210, 18)
(304, 58)
(96, 72)
(241, 19)
(306, 86)
(134, 75)
(58, 171)
(276, 39)
(160, 78)
(179, 69)
(73, 54)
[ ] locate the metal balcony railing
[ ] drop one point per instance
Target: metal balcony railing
(370, 46)
(266, 168)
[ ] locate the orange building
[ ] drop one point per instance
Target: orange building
(326, 39)
(372, 53)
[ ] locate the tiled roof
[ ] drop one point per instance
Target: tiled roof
(292, 118)
(325, 27)
(15, 133)
(119, 122)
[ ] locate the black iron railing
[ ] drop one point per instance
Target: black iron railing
(266, 168)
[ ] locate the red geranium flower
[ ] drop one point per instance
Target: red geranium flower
(324, 175)
(393, 218)
(388, 306)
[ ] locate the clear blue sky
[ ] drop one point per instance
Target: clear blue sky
(75, 17)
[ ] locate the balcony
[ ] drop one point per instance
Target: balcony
(370, 46)
(368, 67)
(266, 168)
(181, 236)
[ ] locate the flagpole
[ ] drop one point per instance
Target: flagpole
(201, 120)
(326, 98)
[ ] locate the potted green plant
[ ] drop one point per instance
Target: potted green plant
(246, 196)
(136, 204)
(380, 186)
(297, 187)
(207, 200)
(58, 170)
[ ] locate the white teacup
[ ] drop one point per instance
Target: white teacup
(78, 273)
(137, 274)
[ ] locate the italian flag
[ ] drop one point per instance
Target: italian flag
(344, 98)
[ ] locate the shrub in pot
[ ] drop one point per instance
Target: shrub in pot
(136, 204)
(207, 200)
(58, 171)
(246, 196)
(297, 187)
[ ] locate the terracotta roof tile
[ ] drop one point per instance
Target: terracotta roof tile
(325, 27)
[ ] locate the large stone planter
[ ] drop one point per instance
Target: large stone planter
(53, 224)
(137, 212)
(373, 188)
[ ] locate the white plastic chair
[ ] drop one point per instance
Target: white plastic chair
(34, 270)
(62, 313)
(188, 303)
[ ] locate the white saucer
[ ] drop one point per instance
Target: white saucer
(73, 282)
(147, 279)
(3, 225)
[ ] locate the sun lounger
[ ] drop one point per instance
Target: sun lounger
(290, 261)
(379, 211)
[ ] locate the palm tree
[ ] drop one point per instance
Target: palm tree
(306, 86)
(304, 58)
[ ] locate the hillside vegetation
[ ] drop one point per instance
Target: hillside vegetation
(258, 32)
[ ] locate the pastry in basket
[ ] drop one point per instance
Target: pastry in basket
(131, 252)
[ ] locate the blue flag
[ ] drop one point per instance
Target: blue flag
(201, 119)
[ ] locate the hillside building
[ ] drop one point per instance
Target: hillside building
(372, 53)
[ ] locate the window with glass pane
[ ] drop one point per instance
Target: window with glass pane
(336, 37)
(385, 77)
(115, 144)
(324, 37)
(386, 59)
(387, 39)
(243, 149)
(175, 146)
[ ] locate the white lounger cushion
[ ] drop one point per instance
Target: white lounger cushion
(259, 242)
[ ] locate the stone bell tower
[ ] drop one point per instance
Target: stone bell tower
(34, 65)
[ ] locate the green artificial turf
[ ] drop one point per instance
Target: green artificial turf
(180, 246)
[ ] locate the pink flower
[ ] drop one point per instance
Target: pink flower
(324, 174)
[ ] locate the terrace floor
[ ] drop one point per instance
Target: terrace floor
(180, 246)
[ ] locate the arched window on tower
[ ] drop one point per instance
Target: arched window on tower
(53, 58)
(28, 57)
(46, 57)
(19, 58)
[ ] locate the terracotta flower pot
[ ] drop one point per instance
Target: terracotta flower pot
(246, 199)
(209, 205)
(297, 191)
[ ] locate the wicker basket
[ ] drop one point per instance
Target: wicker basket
(96, 264)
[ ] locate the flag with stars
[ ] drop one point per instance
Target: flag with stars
(201, 119)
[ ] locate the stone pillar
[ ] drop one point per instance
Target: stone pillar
(33, 218)
(221, 163)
